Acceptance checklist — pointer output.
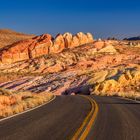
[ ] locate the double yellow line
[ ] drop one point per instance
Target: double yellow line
(86, 126)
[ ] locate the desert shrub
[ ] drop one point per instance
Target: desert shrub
(5, 92)
(13, 103)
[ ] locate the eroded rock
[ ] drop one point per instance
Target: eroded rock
(42, 45)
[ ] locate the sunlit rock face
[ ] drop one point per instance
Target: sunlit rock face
(27, 49)
(58, 44)
(102, 67)
(68, 39)
(42, 45)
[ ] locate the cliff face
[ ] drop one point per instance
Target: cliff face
(42, 45)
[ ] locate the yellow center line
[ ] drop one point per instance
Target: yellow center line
(87, 124)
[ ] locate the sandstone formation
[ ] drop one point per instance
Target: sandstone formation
(42, 45)
(121, 82)
(106, 67)
(108, 49)
(27, 49)
(58, 44)
(68, 39)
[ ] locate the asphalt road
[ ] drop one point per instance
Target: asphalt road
(57, 120)
(117, 119)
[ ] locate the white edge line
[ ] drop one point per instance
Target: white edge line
(27, 110)
(128, 99)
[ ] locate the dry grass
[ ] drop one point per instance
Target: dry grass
(6, 77)
(11, 77)
(13, 103)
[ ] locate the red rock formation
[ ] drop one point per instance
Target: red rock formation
(42, 45)
(90, 37)
(68, 39)
(75, 42)
(58, 44)
(82, 38)
(99, 44)
(27, 49)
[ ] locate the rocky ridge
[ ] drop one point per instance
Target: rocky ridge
(102, 66)
(42, 45)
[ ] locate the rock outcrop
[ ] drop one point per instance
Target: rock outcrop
(104, 67)
(127, 81)
(108, 49)
(58, 44)
(27, 49)
(42, 45)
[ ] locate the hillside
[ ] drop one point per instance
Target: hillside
(137, 38)
(72, 64)
(8, 37)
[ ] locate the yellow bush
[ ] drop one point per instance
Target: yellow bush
(14, 103)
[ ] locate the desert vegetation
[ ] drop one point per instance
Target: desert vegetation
(15, 102)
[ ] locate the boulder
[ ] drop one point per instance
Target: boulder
(75, 42)
(108, 49)
(90, 37)
(68, 39)
(83, 39)
(58, 44)
(99, 44)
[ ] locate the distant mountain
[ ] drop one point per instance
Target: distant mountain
(133, 38)
(8, 37)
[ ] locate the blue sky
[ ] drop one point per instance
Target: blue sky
(103, 18)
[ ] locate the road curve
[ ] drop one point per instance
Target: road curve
(57, 120)
(117, 119)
